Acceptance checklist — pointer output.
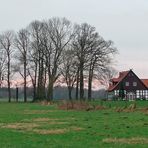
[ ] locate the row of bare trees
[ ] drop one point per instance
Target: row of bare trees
(52, 50)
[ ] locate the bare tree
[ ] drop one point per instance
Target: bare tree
(22, 44)
(84, 40)
(32, 71)
(105, 75)
(99, 58)
(59, 35)
(69, 70)
(6, 42)
(2, 65)
(38, 57)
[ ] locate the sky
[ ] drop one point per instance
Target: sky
(125, 22)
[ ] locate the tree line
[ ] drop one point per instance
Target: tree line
(55, 50)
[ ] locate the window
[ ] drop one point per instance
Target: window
(126, 83)
(134, 83)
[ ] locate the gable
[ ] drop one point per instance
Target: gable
(131, 82)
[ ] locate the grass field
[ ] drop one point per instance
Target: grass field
(38, 126)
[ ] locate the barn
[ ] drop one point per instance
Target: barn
(128, 86)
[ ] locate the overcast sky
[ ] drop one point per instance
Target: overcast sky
(125, 22)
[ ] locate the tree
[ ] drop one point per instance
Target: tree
(22, 44)
(38, 58)
(100, 59)
(2, 65)
(59, 36)
(51, 48)
(106, 74)
(84, 40)
(6, 42)
(69, 69)
(32, 71)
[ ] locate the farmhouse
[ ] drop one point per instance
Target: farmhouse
(128, 86)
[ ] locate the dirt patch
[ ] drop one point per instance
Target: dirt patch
(136, 140)
(21, 126)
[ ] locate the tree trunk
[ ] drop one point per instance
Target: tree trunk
(0, 80)
(90, 85)
(45, 80)
(39, 81)
(25, 81)
(34, 83)
(69, 92)
(50, 90)
(8, 77)
(81, 81)
(40, 88)
(77, 85)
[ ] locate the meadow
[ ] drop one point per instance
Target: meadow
(32, 125)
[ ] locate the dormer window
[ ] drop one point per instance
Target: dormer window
(126, 83)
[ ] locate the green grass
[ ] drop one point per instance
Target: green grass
(22, 126)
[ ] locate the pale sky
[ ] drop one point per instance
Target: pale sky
(125, 22)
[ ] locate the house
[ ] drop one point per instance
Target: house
(128, 86)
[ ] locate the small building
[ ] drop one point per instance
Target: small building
(128, 86)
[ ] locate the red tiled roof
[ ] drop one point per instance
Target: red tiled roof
(145, 81)
(122, 75)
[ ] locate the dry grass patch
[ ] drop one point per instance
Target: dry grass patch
(21, 126)
(82, 105)
(56, 131)
(49, 121)
(130, 108)
(37, 125)
(136, 140)
(144, 110)
(46, 132)
(57, 123)
(74, 128)
(44, 119)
